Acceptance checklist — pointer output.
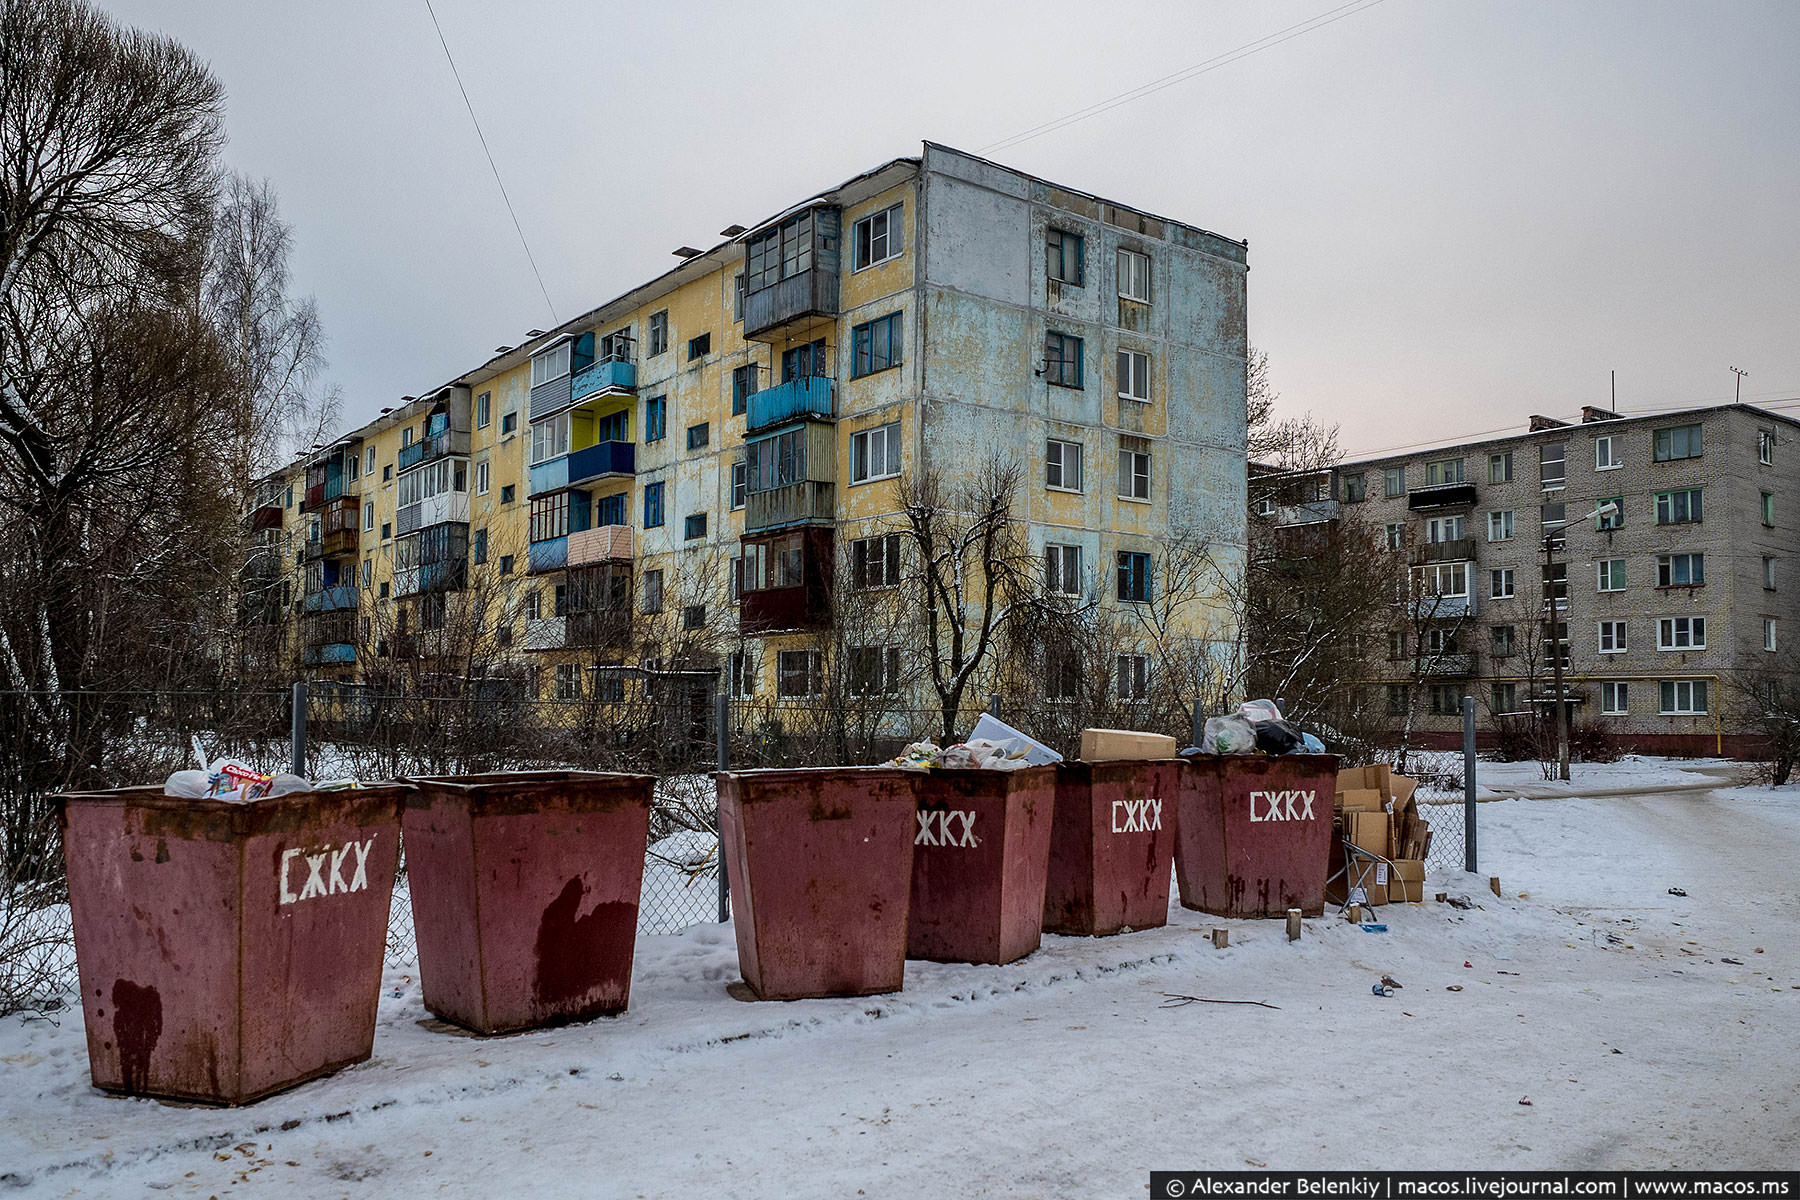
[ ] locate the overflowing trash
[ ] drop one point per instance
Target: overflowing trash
(993, 745)
(1257, 727)
(235, 780)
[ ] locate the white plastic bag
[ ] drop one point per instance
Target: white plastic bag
(1228, 735)
(1257, 711)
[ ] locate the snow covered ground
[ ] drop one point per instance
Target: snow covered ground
(1646, 1030)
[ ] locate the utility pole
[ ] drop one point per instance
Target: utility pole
(1556, 651)
(1738, 395)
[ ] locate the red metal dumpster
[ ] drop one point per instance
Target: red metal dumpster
(981, 852)
(1110, 847)
(525, 892)
(1255, 833)
(227, 950)
(819, 864)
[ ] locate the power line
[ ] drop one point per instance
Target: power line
(1328, 17)
(451, 59)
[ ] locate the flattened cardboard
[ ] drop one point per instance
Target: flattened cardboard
(1105, 745)
(1360, 800)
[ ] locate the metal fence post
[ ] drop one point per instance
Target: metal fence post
(1198, 731)
(994, 705)
(299, 727)
(722, 740)
(1468, 783)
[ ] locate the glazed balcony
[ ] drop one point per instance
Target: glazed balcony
(451, 443)
(340, 598)
(814, 396)
(330, 654)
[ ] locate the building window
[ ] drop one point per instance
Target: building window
(1134, 376)
(550, 439)
(693, 617)
(1612, 575)
(1131, 676)
(1680, 570)
(1448, 581)
(484, 410)
(368, 515)
(1134, 276)
(699, 347)
(799, 673)
(1500, 467)
(1443, 471)
(1062, 465)
(1682, 697)
(483, 477)
(1500, 583)
(1765, 447)
(1768, 509)
(387, 472)
(875, 346)
(368, 581)
(740, 673)
(874, 670)
(1613, 519)
(1500, 641)
(875, 239)
(653, 505)
(550, 516)
(1356, 488)
(509, 424)
(1445, 699)
(875, 453)
(1393, 482)
(506, 564)
(551, 364)
(1681, 633)
(1065, 260)
(659, 333)
(1062, 359)
(695, 527)
(1677, 508)
(1556, 585)
(1679, 441)
(1614, 699)
(368, 469)
(568, 681)
(1768, 572)
(1396, 645)
(743, 386)
(1552, 519)
(1612, 637)
(610, 510)
(875, 561)
(653, 591)
(1769, 633)
(656, 418)
(1134, 468)
(699, 435)
(1552, 465)
(1503, 698)
(1500, 525)
(387, 530)
(1443, 529)
(739, 484)
(1062, 570)
(507, 492)
(1134, 576)
(1396, 536)
(1606, 455)
(1399, 699)
(478, 546)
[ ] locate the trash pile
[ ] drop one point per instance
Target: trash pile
(1257, 727)
(235, 780)
(1375, 813)
(993, 745)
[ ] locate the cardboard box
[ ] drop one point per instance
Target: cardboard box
(1370, 831)
(1103, 745)
(1360, 800)
(1406, 882)
(1401, 789)
(1376, 884)
(1376, 777)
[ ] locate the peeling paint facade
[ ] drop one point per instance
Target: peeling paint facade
(736, 424)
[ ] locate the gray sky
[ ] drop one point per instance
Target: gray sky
(1458, 213)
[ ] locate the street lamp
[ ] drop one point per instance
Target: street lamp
(1606, 511)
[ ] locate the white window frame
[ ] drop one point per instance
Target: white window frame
(1768, 564)
(1615, 698)
(549, 438)
(1500, 525)
(1057, 460)
(1500, 467)
(484, 410)
(807, 665)
(1668, 635)
(863, 446)
(1498, 577)
(1439, 530)
(552, 362)
(1606, 579)
(1665, 566)
(1396, 535)
(368, 515)
(1765, 447)
(1611, 637)
(1675, 705)
(891, 237)
(1134, 470)
(1062, 569)
(1769, 634)
(1393, 482)
(369, 465)
(484, 477)
(1131, 677)
(1134, 376)
(1133, 274)
(1605, 457)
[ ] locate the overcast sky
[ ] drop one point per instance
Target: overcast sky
(1458, 213)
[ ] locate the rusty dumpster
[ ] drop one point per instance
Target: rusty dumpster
(1110, 847)
(228, 950)
(819, 865)
(525, 889)
(1254, 833)
(981, 850)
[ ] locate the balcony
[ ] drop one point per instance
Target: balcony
(265, 517)
(813, 396)
(1443, 495)
(444, 507)
(604, 460)
(1445, 608)
(331, 599)
(1306, 514)
(335, 544)
(549, 555)
(808, 500)
(811, 293)
(329, 654)
(452, 443)
(546, 633)
(605, 543)
(448, 576)
(612, 377)
(797, 603)
(1447, 664)
(1455, 550)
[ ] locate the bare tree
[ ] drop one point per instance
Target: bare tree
(1767, 700)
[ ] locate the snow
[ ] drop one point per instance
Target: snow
(1062, 1075)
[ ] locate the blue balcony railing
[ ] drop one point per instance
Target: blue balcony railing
(550, 555)
(813, 395)
(594, 462)
(613, 375)
(331, 599)
(336, 652)
(438, 445)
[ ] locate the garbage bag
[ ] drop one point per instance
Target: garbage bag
(1228, 735)
(1277, 737)
(1310, 744)
(1258, 711)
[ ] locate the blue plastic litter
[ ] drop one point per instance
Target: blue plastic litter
(1374, 928)
(1311, 744)
(1378, 990)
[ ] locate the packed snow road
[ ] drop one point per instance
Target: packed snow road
(1644, 1029)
